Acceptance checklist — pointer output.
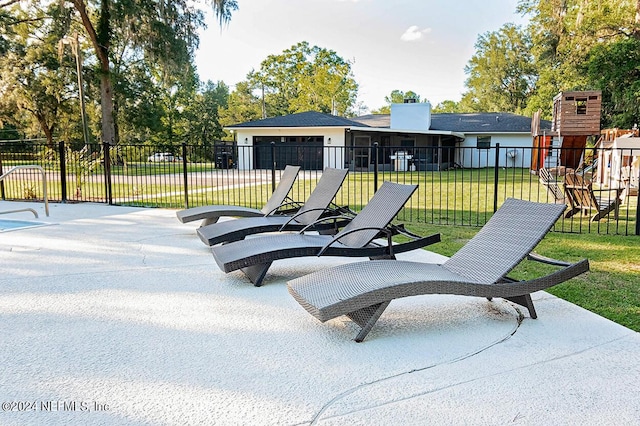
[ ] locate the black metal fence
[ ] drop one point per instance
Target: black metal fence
(456, 186)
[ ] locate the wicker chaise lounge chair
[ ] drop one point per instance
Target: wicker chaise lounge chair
(254, 256)
(315, 207)
(275, 203)
(363, 290)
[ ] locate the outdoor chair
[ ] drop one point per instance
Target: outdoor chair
(363, 290)
(254, 256)
(315, 207)
(551, 184)
(584, 198)
(278, 202)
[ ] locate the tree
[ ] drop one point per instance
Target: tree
(305, 78)
(33, 80)
(163, 31)
(563, 33)
(447, 106)
(502, 75)
(396, 97)
(202, 115)
(615, 69)
(242, 105)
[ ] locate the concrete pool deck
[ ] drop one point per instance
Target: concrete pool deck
(118, 315)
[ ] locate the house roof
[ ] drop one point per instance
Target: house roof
(302, 119)
(485, 122)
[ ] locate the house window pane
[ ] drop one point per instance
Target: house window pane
(484, 142)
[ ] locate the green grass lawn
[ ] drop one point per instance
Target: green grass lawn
(612, 286)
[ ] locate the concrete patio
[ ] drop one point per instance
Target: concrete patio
(117, 315)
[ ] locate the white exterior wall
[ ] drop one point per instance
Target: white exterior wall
(333, 156)
(413, 116)
(553, 156)
(468, 156)
(611, 171)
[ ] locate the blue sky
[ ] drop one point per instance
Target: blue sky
(419, 45)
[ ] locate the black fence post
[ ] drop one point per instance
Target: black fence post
(496, 173)
(637, 205)
(63, 172)
(2, 194)
(107, 172)
(273, 166)
(375, 167)
(185, 175)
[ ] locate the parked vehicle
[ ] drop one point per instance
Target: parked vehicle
(163, 156)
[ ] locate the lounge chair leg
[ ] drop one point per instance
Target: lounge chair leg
(383, 257)
(328, 231)
(525, 301)
(256, 273)
(366, 318)
(210, 220)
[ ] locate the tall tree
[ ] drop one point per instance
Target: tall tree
(32, 79)
(502, 75)
(615, 69)
(201, 116)
(564, 32)
(396, 97)
(243, 105)
(447, 106)
(305, 78)
(166, 31)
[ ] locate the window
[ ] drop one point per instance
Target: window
(484, 142)
(581, 106)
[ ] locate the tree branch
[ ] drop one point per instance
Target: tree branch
(8, 3)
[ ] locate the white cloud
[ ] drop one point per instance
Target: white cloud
(414, 33)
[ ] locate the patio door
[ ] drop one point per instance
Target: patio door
(361, 153)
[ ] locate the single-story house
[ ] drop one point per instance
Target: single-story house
(410, 138)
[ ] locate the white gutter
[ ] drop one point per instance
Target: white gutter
(419, 132)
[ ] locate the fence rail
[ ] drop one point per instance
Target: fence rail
(461, 186)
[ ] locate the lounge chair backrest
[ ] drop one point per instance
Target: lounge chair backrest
(278, 196)
(320, 198)
(507, 238)
(378, 213)
(580, 191)
(549, 182)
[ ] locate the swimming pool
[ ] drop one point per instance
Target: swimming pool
(7, 225)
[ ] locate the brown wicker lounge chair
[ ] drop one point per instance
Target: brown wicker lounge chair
(363, 290)
(316, 206)
(254, 256)
(277, 202)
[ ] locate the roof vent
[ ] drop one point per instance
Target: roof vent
(410, 100)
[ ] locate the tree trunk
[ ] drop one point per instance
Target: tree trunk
(106, 103)
(101, 48)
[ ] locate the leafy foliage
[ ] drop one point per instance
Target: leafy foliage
(396, 97)
(501, 72)
(565, 34)
(305, 78)
(615, 69)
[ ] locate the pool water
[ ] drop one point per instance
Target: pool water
(7, 225)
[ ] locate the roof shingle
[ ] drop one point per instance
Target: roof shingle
(302, 119)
